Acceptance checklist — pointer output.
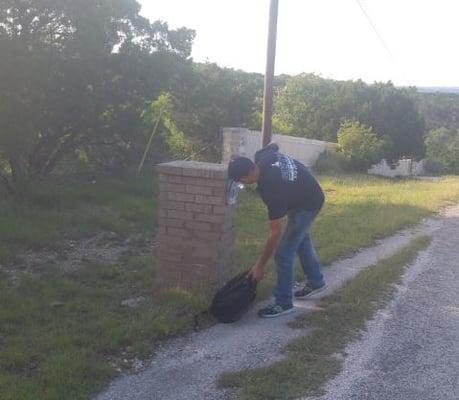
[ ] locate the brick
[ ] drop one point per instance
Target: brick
(200, 208)
(195, 189)
(172, 242)
(219, 210)
(174, 205)
(190, 180)
(196, 235)
(219, 228)
(198, 243)
(214, 218)
(175, 214)
(193, 180)
(204, 170)
(207, 262)
(169, 169)
(186, 197)
(170, 247)
(180, 232)
(175, 187)
(198, 226)
(171, 253)
(175, 178)
(220, 174)
(221, 183)
(206, 173)
(209, 236)
(214, 200)
(206, 252)
(175, 243)
(170, 256)
(217, 191)
(176, 223)
(191, 172)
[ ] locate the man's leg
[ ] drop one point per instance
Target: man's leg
(309, 260)
(284, 257)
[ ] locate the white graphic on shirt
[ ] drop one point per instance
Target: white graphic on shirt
(288, 168)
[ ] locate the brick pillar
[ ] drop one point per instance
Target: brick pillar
(196, 237)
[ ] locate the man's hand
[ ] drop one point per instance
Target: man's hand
(258, 270)
(256, 273)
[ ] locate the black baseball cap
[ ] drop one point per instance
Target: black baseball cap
(239, 167)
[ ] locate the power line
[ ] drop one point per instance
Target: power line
(381, 39)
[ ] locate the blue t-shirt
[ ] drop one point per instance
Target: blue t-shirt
(285, 184)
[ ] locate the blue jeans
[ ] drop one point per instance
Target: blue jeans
(296, 240)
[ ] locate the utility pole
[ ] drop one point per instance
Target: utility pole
(269, 76)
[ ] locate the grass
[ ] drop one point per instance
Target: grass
(311, 360)
(60, 333)
(75, 209)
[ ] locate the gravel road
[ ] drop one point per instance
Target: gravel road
(411, 349)
(186, 368)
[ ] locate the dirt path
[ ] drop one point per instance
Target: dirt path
(187, 368)
(410, 351)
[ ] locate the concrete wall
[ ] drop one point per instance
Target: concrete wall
(405, 167)
(244, 142)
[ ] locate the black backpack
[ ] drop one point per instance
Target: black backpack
(234, 298)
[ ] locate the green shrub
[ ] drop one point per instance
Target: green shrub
(360, 145)
(332, 161)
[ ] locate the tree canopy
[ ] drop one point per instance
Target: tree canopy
(75, 74)
(314, 107)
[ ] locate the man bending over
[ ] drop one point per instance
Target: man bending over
(288, 189)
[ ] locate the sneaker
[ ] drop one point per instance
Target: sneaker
(275, 310)
(308, 290)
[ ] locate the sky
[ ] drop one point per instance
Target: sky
(331, 38)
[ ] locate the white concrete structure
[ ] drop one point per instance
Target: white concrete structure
(244, 142)
(405, 167)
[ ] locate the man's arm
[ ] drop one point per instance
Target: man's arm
(257, 270)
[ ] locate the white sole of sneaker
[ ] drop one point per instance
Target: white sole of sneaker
(279, 314)
(311, 294)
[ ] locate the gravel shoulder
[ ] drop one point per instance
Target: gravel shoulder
(187, 368)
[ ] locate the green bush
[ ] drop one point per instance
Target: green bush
(359, 145)
(332, 161)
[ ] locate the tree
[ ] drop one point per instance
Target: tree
(442, 146)
(359, 144)
(212, 97)
(73, 73)
(393, 113)
(440, 110)
(307, 106)
(313, 107)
